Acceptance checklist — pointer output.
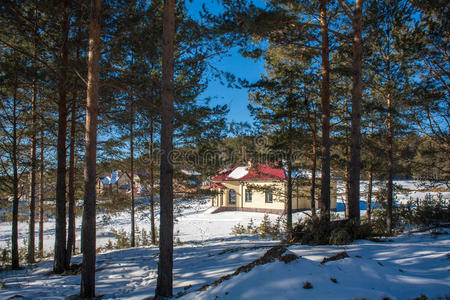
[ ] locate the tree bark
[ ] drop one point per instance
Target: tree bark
(313, 172)
(347, 160)
(390, 138)
(355, 156)
(369, 193)
(71, 236)
(165, 265)
(59, 263)
(14, 237)
(41, 197)
(152, 186)
(313, 128)
(31, 222)
(325, 101)
(390, 189)
(370, 187)
(133, 227)
(88, 226)
(289, 181)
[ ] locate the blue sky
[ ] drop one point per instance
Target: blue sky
(233, 62)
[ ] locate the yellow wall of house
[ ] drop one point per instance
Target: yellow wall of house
(259, 197)
(300, 198)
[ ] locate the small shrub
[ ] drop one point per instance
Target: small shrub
(317, 231)
(340, 236)
(109, 245)
(122, 239)
(251, 228)
(5, 256)
(311, 231)
(265, 229)
(425, 212)
(238, 229)
(145, 240)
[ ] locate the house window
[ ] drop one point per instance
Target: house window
(232, 197)
(269, 197)
(248, 195)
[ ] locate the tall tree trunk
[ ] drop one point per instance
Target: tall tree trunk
(355, 156)
(313, 127)
(41, 197)
(313, 171)
(347, 189)
(14, 237)
(390, 141)
(71, 236)
(370, 187)
(59, 263)
(390, 138)
(347, 145)
(325, 101)
(289, 180)
(165, 265)
(133, 226)
(31, 222)
(152, 186)
(88, 227)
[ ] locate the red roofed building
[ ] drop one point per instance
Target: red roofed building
(259, 188)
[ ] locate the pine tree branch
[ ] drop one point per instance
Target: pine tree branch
(347, 10)
(199, 58)
(433, 121)
(438, 76)
(31, 56)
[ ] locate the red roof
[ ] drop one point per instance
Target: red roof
(218, 185)
(252, 173)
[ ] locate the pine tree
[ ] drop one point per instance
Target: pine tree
(390, 60)
(59, 264)
(33, 158)
(13, 130)
(89, 227)
(165, 263)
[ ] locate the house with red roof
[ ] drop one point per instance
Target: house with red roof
(259, 188)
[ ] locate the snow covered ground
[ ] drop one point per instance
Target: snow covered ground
(194, 221)
(403, 268)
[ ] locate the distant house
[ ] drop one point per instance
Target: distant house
(260, 188)
(116, 181)
(187, 182)
(120, 182)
